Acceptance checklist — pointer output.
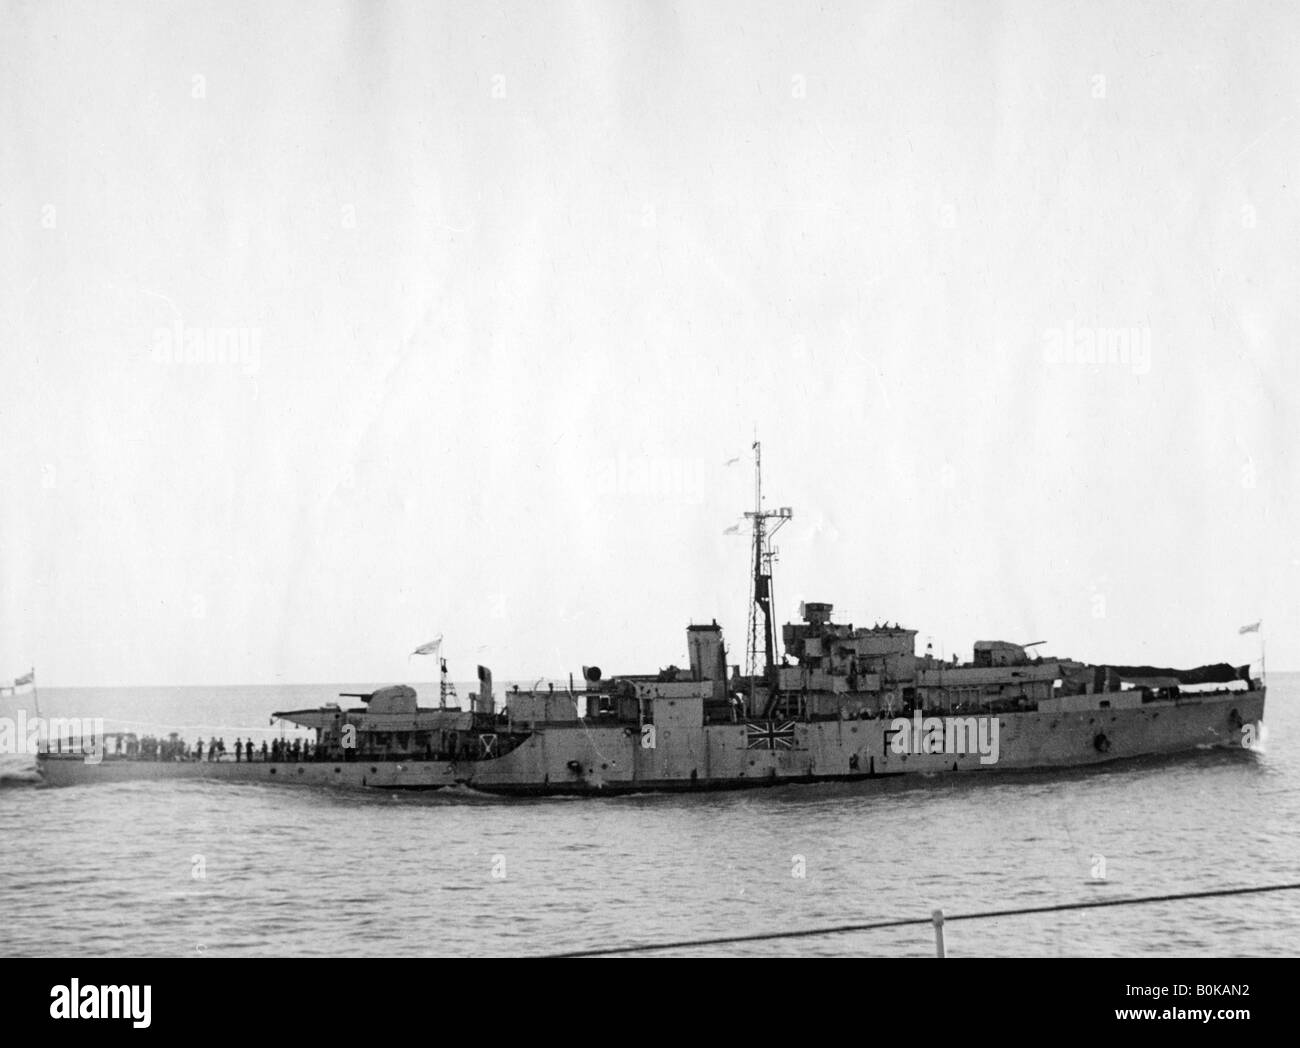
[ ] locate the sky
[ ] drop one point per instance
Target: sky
(329, 328)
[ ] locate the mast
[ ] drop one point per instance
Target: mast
(446, 689)
(760, 590)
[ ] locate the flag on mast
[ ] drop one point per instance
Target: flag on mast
(27, 678)
(431, 648)
(1252, 628)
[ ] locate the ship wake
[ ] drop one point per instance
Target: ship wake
(17, 778)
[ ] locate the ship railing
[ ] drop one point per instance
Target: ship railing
(937, 921)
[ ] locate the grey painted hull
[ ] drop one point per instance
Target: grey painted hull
(594, 759)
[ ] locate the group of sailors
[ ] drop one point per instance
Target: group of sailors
(174, 748)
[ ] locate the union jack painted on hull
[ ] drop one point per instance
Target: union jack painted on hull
(769, 735)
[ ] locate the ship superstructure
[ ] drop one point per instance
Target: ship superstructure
(842, 703)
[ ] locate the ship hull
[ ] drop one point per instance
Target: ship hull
(587, 758)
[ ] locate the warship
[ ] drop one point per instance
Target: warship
(840, 703)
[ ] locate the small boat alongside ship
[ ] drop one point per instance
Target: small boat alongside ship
(843, 703)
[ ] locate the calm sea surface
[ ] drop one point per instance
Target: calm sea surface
(296, 871)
